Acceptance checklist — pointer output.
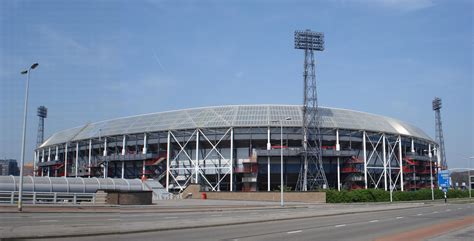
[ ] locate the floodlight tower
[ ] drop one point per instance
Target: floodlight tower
(439, 133)
(42, 114)
(312, 175)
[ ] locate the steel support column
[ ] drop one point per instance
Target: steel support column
(35, 164)
(364, 146)
(124, 151)
(123, 170)
(144, 150)
(77, 160)
(89, 159)
(168, 151)
(124, 143)
(65, 160)
(196, 165)
(384, 162)
(232, 159)
(338, 148)
(105, 163)
(56, 155)
(269, 147)
(401, 161)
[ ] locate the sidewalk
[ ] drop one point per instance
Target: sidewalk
(184, 205)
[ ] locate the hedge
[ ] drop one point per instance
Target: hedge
(378, 195)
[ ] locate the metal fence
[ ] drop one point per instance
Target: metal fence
(48, 198)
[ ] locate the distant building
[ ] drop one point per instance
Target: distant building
(9, 167)
(28, 169)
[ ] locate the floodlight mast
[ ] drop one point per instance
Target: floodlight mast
(42, 114)
(439, 133)
(312, 175)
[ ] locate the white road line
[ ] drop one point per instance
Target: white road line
(340, 225)
(297, 231)
(216, 215)
(47, 221)
(170, 217)
(419, 214)
(459, 208)
(373, 221)
(114, 219)
(435, 212)
(447, 210)
(399, 217)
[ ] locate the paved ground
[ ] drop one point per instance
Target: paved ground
(463, 234)
(362, 226)
(236, 220)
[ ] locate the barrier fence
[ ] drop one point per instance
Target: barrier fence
(47, 197)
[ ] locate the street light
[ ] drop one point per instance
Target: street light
(281, 158)
(431, 171)
(22, 161)
(469, 174)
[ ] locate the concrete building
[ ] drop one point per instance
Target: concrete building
(237, 148)
(9, 167)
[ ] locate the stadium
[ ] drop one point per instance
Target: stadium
(239, 148)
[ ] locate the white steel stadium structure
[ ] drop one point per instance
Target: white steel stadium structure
(237, 148)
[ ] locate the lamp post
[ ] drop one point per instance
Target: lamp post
(22, 161)
(469, 174)
(281, 159)
(431, 171)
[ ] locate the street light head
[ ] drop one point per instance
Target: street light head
(24, 72)
(34, 66)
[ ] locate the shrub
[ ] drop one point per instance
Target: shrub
(378, 195)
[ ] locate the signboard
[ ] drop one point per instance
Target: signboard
(443, 179)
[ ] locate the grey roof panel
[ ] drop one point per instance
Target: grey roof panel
(235, 116)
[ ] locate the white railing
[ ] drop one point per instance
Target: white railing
(48, 197)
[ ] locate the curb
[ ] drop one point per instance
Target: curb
(190, 210)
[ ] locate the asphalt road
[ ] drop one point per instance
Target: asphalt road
(360, 226)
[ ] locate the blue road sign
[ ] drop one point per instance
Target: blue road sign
(443, 179)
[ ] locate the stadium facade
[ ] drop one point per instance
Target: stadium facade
(237, 148)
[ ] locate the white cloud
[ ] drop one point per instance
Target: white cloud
(55, 37)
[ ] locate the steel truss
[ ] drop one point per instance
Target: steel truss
(384, 160)
(182, 169)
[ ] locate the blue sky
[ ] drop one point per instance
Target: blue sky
(107, 59)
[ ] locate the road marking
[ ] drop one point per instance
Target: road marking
(170, 217)
(216, 215)
(340, 225)
(399, 217)
(297, 231)
(435, 212)
(47, 221)
(447, 210)
(373, 221)
(459, 208)
(114, 219)
(419, 214)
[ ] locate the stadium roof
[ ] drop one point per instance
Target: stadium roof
(234, 116)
